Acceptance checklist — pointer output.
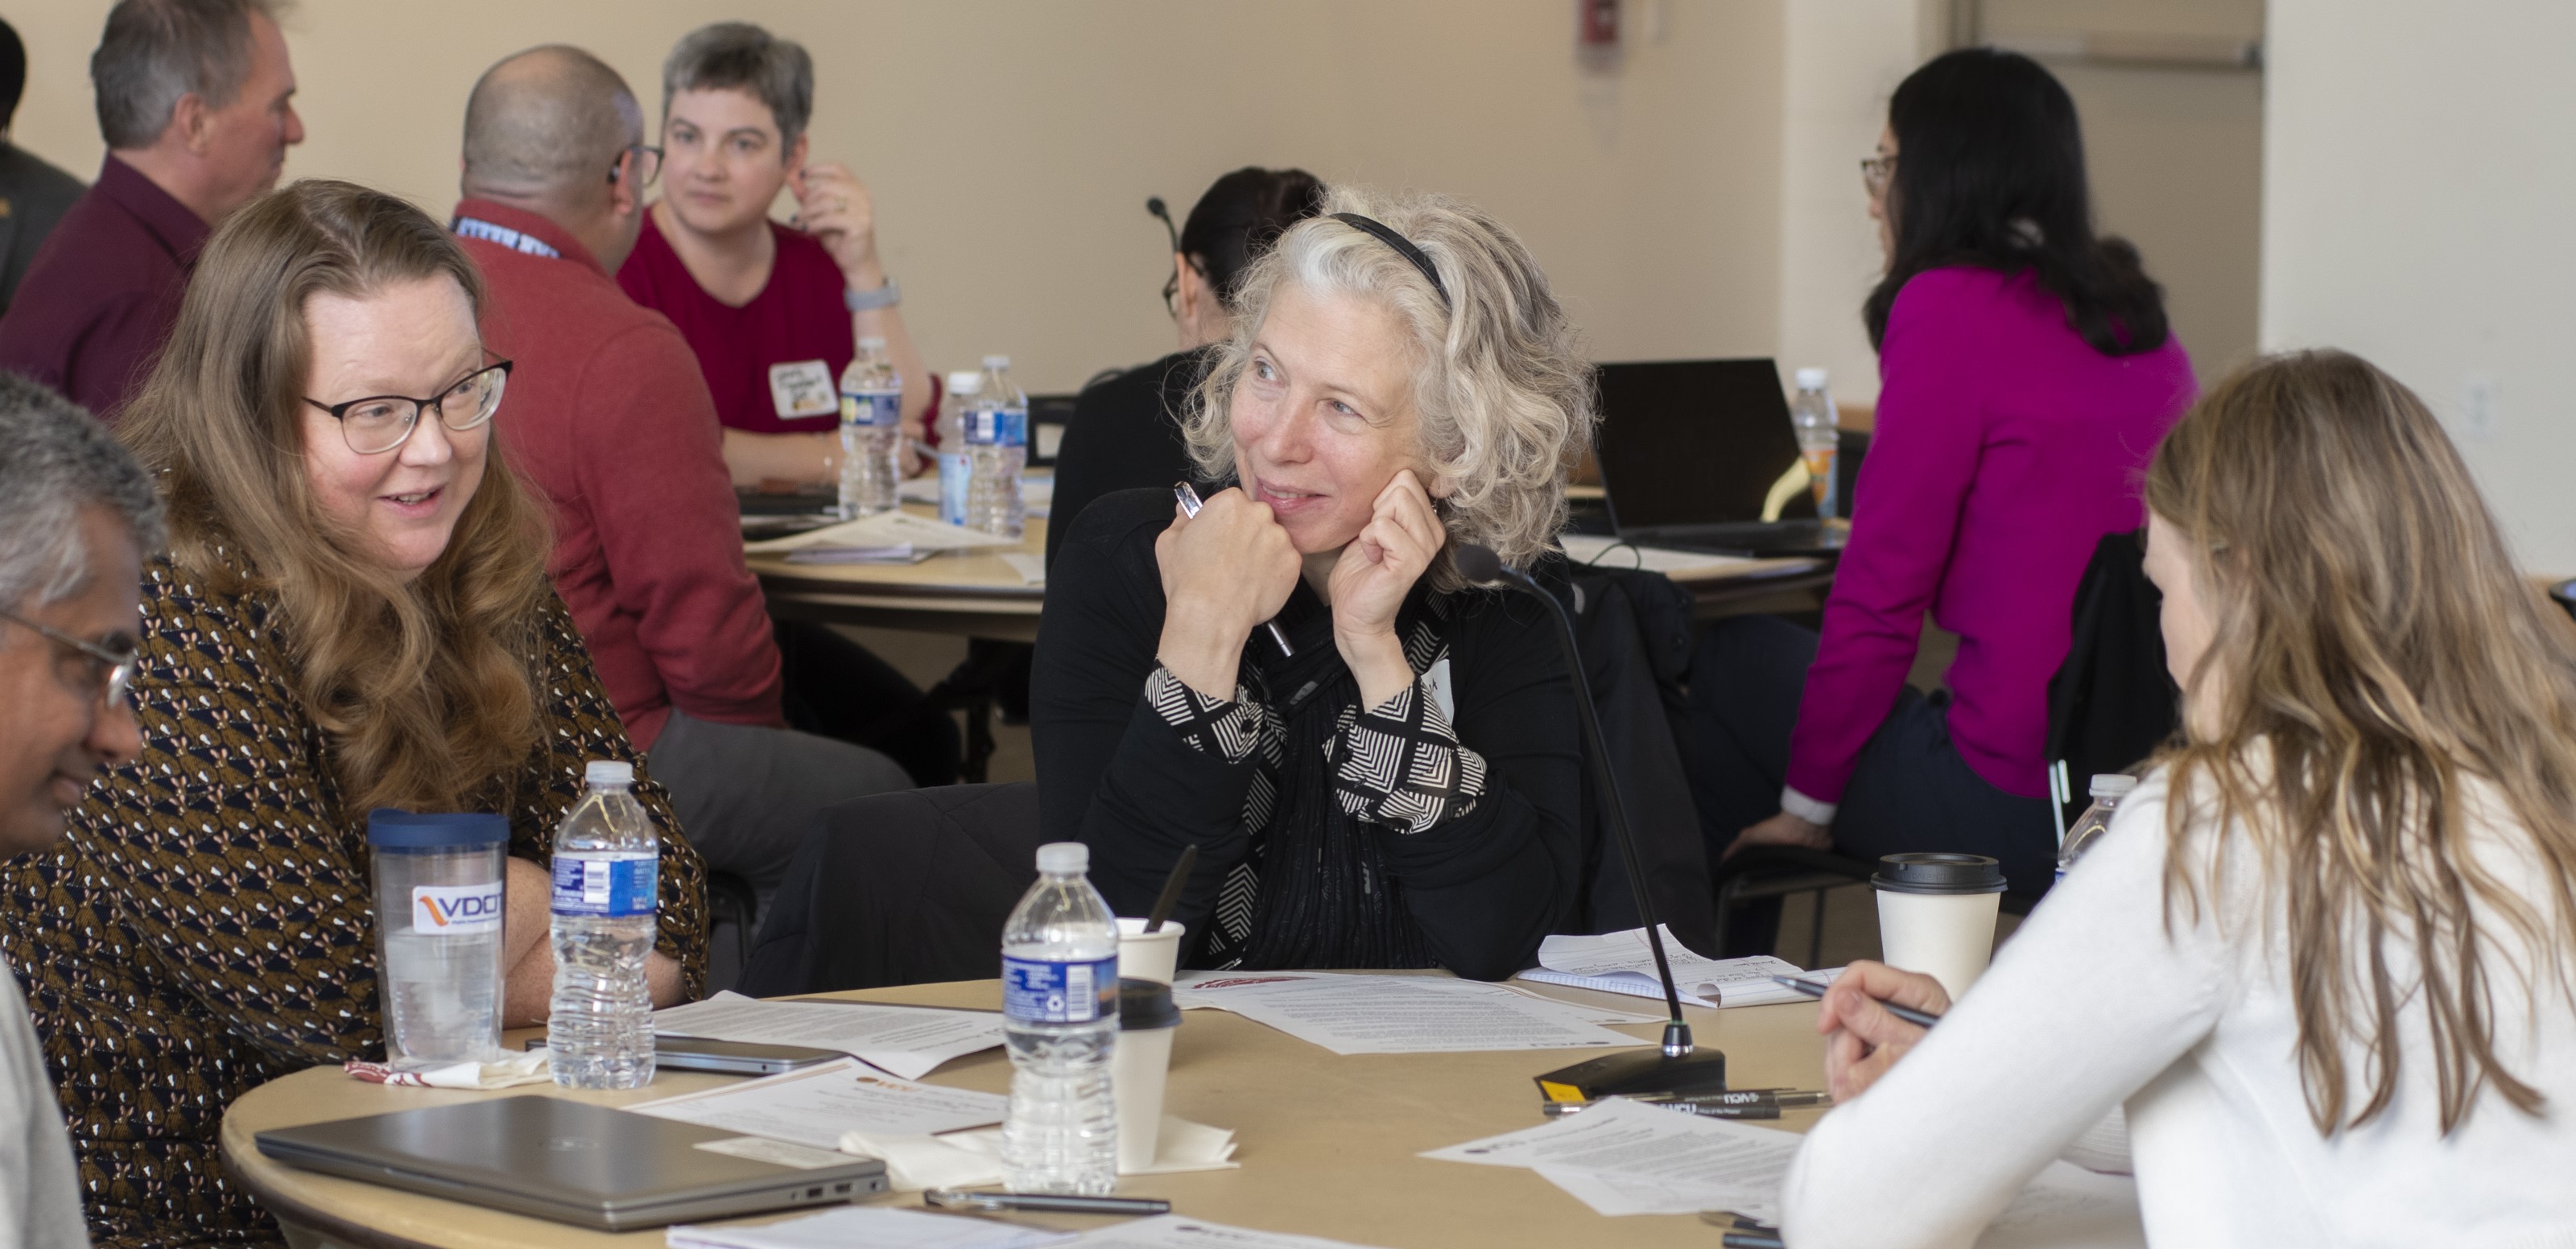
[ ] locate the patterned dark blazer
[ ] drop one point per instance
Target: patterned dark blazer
(208, 923)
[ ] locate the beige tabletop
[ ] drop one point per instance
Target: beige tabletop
(1327, 1142)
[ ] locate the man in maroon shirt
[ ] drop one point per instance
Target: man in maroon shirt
(194, 101)
(608, 414)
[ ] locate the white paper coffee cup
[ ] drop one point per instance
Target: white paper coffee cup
(1138, 1067)
(1936, 915)
(1151, 956)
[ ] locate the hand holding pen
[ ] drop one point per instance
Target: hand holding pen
(1188, 498)
(1871, 1017)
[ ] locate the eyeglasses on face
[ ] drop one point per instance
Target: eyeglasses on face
(380, 423)
(648, 164)
(112, 663)
(1876, 171)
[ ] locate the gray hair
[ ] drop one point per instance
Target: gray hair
(741, 56)
(155, 51)
(549, 122)
(1500, 385)
(55, 460)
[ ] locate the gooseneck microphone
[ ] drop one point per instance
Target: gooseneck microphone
(1676, 1067)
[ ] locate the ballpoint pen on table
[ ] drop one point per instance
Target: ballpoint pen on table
(1919, 1018)
(1190, 505)
(1058, 1203)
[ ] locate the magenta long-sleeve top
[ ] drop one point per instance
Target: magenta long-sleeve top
(2006, 446)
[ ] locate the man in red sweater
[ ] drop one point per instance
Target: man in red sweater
(608, 414)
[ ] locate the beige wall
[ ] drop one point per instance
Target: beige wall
(1651, 191)
(2418, 173)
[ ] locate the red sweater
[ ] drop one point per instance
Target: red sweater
(608, 417)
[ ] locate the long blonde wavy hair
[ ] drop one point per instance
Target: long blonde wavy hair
(423, 688)
(2375, 653)
(1500, 382)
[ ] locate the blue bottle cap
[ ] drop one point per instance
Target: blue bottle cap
(395, 829)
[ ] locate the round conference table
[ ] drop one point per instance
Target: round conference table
(1327, 1142)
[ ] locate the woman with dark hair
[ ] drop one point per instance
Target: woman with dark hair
(1126, 430)
(2026, 374)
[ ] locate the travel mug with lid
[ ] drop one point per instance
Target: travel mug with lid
(438, 935)
(1936, 915)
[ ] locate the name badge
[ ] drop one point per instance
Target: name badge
(803, 388)
(1436, 681)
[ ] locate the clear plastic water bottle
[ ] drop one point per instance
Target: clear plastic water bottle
(1819, 431)
(1060, 1016)
(962, 389)
(599, 1031)
(997, 446)
(2107, 790)
(871, 431)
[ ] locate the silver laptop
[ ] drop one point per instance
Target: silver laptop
(573, 1162)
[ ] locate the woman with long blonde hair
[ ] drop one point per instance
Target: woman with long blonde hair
(354, 614)
(2323, 955)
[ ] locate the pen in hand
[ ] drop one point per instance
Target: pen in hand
(1920, 1019)
(1190, 505)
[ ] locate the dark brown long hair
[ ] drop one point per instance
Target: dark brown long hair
(2388, 690)
(423, 687)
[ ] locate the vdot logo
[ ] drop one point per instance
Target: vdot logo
(455, 910)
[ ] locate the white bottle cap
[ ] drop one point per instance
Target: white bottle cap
(1064, 858)
(2113, 784)
(963, 383)
(997, 362)
(871, 343)
(608, 772)
(1811, 378)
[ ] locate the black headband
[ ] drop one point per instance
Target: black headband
(1401, 244)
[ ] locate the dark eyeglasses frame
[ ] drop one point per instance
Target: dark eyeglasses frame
(119, 668)
(1876, 172)
(651, 169)
(340, 411)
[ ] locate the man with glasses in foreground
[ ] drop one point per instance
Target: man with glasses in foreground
(77, 517)
(610, 417)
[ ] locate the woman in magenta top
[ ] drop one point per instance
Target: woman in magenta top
(773, 313)
(2026, 374)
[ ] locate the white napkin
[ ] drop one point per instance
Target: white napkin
(526, 1067)
(967, 1159)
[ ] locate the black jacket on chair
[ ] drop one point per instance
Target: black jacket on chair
(1635, 632)
(2112, 703)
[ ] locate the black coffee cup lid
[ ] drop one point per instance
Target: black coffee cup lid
(1146, 1004)
(1935, 872)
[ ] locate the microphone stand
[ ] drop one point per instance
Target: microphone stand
(1677, 1066)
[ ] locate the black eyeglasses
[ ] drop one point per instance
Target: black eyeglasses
(648, 164)
(115, 668)
(380, 423)
(1172, 284)
(1875, 172)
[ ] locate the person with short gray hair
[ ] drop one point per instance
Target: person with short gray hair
(77, 518)
(195, 100)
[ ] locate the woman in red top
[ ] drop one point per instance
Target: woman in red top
(773, 312)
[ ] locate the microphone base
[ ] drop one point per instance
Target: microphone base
(1641, 1071)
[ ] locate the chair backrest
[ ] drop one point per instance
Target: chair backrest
(2112, 702)
(908, 887)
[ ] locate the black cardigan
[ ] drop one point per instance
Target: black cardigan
(1125, 434)
(1483, 887)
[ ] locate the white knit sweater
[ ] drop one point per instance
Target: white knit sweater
(2092, 1004)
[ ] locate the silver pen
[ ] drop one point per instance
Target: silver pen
(1190, 506)
(1059, 1203)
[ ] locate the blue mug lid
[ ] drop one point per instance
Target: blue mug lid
(392, 828)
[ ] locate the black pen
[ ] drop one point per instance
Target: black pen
(1736, 1104)
(1056, 1203)
(1920, 1019)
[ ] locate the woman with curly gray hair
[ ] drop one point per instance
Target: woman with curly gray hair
(1385, 773)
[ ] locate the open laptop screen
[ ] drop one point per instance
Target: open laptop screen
(1694, 442)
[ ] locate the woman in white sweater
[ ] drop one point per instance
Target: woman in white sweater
(2326, 956)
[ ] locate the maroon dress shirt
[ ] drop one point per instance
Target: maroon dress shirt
(103, 292)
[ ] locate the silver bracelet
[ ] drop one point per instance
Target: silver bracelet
(885, 296)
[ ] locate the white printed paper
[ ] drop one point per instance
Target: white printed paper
(906, 1040)
(775, 1153)
(816, 1105)
(1172, 1231)
(871, 1227)
(1622, 962)
(884, 529)
(1584, 548)
(1399, 1014)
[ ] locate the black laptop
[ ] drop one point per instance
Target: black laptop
(1690, 453)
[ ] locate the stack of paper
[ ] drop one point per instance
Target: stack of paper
(906, 1040)
(1403, 1014)
(870, 1227)
(896, 535)
(1622, 962)
(1172, 1231)
(969, 1159)
(817, 1105)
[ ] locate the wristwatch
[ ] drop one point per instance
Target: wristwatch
(885, 296)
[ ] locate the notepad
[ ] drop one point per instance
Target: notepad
(1622, 962)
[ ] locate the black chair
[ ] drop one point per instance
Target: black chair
(732, 901)
(908, 887)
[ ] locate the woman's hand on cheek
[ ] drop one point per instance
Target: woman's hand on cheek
(1373, 576)
(1224, 572)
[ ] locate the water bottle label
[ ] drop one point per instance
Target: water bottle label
(953, 471)
(876, 409)
(455, 910)
(610, 886)
(1041, 992)
(998, 427)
